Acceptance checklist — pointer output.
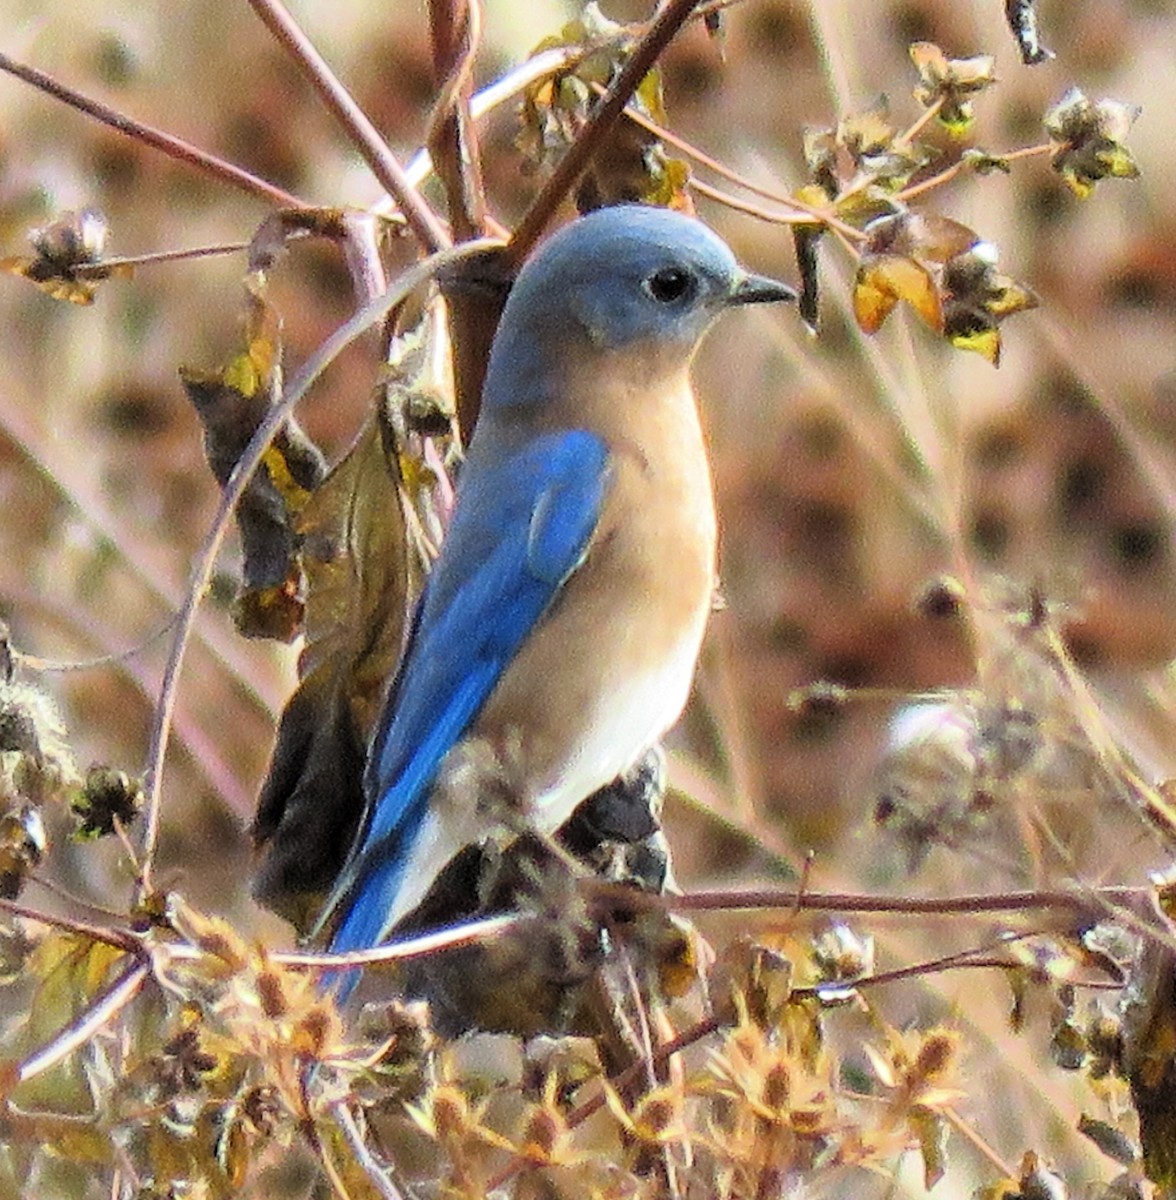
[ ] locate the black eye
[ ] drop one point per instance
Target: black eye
(671, 284)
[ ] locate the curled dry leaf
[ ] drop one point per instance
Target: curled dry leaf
(631, 164)
(231, 404)
(950, 83)
(73, 241)
(1089, 137)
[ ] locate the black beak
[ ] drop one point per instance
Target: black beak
(759, 289)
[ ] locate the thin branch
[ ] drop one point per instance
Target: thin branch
(100, 269)
(377, 1174)
(456, 30)
(413, 947)
(108, 1005)
(518, 79)
(364, 135)
(1082, 903)
(569, 169)
(821, 215)
(123, 939)
(369, 315)
(961, 165)
(170, 145)
(965, 1130)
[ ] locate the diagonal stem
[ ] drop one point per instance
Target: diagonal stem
(659, 35)
(383, 163)
(170, 145)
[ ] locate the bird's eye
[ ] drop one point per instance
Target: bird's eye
(671, 284)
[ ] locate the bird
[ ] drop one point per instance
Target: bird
(556, 638)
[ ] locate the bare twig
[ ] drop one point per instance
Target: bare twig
(173, 147)
(108, 1005)
(1092, 901)
(102, 268)
(659, 35)
(369, 315)
(456, 30)
(376, 1173)
(415, 947)
(364, 135)
(123, 939)
(804, 213)
(518, 79)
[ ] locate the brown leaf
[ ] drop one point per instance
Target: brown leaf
(358, 587)
(231, 404)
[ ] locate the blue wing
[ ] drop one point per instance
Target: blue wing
(522, 525)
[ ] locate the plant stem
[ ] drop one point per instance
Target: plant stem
(383, 163)
(170, 145)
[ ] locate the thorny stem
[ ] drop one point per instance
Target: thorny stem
(661, 32)
(170, 145)
(366, 138)
(234, 488)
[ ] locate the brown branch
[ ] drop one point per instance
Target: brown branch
(105, 266)
(569, 169)
(455, 29)
(173, 147)
(1093, 901)
(123, 939)
(363, 134)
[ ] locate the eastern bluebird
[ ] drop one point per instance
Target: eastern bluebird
(557, 635)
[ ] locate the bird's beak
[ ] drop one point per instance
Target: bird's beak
(759, 289)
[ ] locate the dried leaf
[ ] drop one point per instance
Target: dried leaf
(883, 280)
(359, 584)
(949, 82)
(68, 972)
(931, 1131)
(1149, 1057)
(73, 241)
(1111, 1141)
(805, 239)
(231, 404)
(1089, 136)
(630, 165)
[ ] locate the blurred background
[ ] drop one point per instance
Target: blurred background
(897, 516)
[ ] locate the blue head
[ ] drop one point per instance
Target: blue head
(618, 276)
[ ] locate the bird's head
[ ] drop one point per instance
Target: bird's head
(632, 273)
(619, 276)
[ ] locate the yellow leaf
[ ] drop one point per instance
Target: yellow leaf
(885, 279)
(985, 342)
